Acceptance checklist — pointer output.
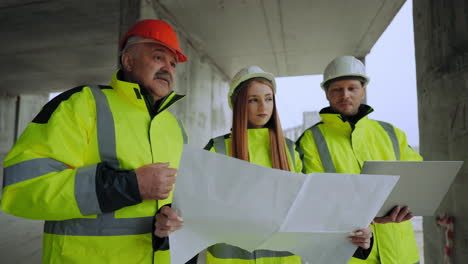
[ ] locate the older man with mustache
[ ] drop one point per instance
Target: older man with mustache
(346, 138)
(98, 161)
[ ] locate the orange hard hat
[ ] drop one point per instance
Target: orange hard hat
(157, 30)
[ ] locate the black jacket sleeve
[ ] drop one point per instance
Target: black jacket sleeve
(115, 188)
(361, 253)
(158, 242)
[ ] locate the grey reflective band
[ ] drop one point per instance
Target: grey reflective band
(182, 129)
(105, 225)
(220, 145)
(30, 169)
(85, 190)
(322, 148)
(225, 251)
(391, 133)
(290, 145)
(105, 128)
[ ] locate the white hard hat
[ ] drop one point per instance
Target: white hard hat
(344, 66)
(246, 74)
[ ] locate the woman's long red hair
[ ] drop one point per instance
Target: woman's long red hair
(239, 146)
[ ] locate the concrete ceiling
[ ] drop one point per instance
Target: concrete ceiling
(286, 37)
(54, 45)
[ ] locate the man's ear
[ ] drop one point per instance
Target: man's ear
(127, 61)
(326, 94)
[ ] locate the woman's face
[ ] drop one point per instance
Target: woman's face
(259, 104)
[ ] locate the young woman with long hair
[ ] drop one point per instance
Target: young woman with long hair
(256, 137)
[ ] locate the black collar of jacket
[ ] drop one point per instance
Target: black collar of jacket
(153, 106)
(363, 111)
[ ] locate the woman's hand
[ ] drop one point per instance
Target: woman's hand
(167, 221)
(361, 237)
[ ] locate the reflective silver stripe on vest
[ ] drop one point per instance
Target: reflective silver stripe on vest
(325, 153)
(225, 251)
(105, 225)
(85, 190)
(30, 169)
(322, 148)
(182, 129)
(290, 145)
(391, 133)
(105, 128)
(220, 145)
(85, 178)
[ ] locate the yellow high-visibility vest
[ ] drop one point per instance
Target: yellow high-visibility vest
(51, 171)
(335, 145)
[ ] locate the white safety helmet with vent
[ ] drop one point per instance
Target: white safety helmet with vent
(344, 66)
(246, 74)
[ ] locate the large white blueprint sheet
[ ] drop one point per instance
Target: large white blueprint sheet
(223, 199)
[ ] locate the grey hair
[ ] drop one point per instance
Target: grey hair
(127, 47)
(130, 41)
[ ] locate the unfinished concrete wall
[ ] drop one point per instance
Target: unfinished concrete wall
(441, 42)
(7, 127)
(204, 110)
(29, 106)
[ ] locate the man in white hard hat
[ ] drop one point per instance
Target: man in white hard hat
(346, 138)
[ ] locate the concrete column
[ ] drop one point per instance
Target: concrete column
(129, 14)
(29, 107)
(221, 117)
(7, 127)
(441, 46)
(21, 241)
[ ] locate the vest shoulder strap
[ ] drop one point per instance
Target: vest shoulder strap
(392, 134)
(291, 147)
(322, 149)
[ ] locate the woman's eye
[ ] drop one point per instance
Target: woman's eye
(253, 100)
(269, 99)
